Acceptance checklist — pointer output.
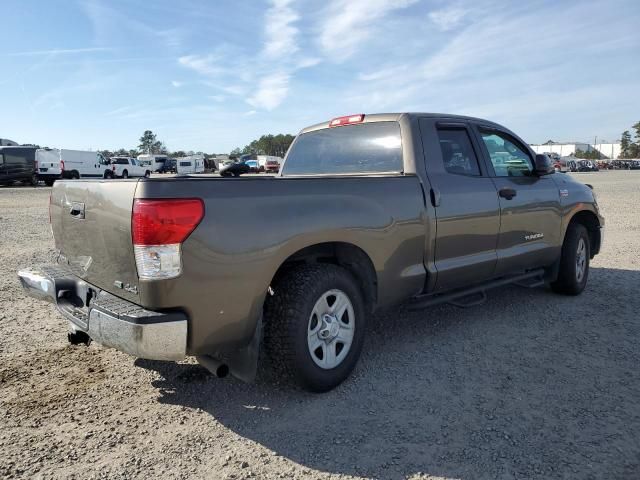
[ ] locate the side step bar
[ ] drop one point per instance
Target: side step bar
(530, 279)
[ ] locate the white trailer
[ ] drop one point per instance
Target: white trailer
(190, 164)
(155, 161)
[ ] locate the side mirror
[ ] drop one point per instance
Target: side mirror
(543, 165)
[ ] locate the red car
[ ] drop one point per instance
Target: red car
(272, 166)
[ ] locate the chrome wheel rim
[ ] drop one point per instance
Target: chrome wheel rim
(330, 329)
(581, 260)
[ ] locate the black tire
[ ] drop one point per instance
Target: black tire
(569, 281)
(108, 174)
(125, 174)
(288, 316)
(49, 183)
(147, 174)
(34, 180)
(75, 175)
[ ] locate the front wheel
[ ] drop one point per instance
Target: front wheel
(314, 326)
(147, 174)
(125, 174)
(574, 261)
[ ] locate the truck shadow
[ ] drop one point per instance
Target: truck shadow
(530, 384)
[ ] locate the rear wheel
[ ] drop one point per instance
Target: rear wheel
(147, 174)
(49, 183)
(574, 261)
(125, 174)
(314, 326)
(108, 174)
(34, 180)
(75, 175)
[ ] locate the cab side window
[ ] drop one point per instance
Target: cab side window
(508, 157)
(458, 155)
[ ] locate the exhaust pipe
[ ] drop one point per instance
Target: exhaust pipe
(214, 365)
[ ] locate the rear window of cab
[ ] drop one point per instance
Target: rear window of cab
(374, 147)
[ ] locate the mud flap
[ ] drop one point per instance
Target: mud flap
(243, 363)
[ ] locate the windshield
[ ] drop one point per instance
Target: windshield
(365, 148)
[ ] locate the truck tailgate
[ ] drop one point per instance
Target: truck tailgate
(91, 222)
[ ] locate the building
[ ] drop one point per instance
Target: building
(567, 149)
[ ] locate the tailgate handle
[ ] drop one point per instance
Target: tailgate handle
(76, 210)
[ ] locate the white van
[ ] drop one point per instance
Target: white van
(190, 164)
(54, 164)
(155, 161)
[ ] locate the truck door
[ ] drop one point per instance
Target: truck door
(466, 204)
(530, 226)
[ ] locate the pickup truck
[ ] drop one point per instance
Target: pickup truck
(125, 167)
(367, 211)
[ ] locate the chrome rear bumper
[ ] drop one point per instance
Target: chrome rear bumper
(107, 319)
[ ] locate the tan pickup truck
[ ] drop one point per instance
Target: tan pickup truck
(366, 212)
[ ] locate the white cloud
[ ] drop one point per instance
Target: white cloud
(447, 18)
(59, 51)
(349, 23)
(203, 64)
(176, 83)
(279, 30)
(217, 98)
(271, 91)
(250, 113)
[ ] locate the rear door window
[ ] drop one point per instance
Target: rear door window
(458, 155)
(366, 148)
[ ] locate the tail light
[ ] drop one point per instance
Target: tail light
(62, 165)
(158, 229)
(113, 167)
(348, 120)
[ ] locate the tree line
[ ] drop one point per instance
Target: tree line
(629, 148)
(275, 145)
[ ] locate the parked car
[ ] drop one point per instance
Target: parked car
(586, 166)
(169, 166)
(18, 164)
(128, 167)
(634, 165)
(272, 166)
(234, 169)
(366, 212)
(253, 166)
(263, 159)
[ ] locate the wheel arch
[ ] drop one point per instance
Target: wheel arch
(591, 222)
(347, 255)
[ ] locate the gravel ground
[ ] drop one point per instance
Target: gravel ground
(529, 385)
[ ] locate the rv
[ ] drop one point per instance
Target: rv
(156, 162)
(190, 164)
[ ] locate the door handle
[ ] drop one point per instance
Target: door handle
(76, 210)
(507, 193)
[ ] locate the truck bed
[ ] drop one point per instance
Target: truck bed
(250, 228)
